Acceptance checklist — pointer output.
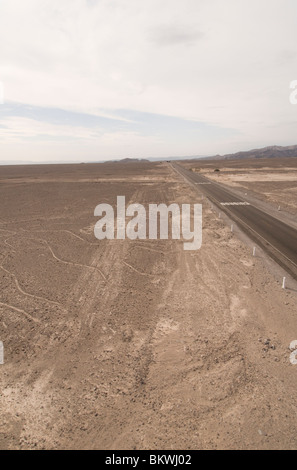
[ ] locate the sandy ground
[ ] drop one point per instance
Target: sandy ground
(135, 344)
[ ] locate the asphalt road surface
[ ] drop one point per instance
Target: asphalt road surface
(276, 237)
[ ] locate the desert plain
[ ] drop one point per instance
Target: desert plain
(121, 344)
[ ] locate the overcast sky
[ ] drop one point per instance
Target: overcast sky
(88, 80)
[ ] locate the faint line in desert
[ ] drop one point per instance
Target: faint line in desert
(68, 262)
(136, 270)
(27, 293)
(11, 236)
(27, 315)
(8, 244)
(150, 249)
(66, 231)
(5, 230)
(74, 264)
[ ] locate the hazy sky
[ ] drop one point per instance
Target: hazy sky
(99, 79)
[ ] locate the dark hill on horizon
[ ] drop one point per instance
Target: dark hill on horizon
(266, 152)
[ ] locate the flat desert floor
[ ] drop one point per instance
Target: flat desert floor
(138, 344)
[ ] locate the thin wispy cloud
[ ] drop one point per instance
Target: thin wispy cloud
(123, 131)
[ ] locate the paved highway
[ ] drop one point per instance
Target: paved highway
(276, 237)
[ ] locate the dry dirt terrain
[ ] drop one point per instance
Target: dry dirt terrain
(136, 344)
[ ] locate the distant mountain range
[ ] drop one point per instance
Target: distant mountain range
(126, 160)
(267, 152)
(153, 159)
